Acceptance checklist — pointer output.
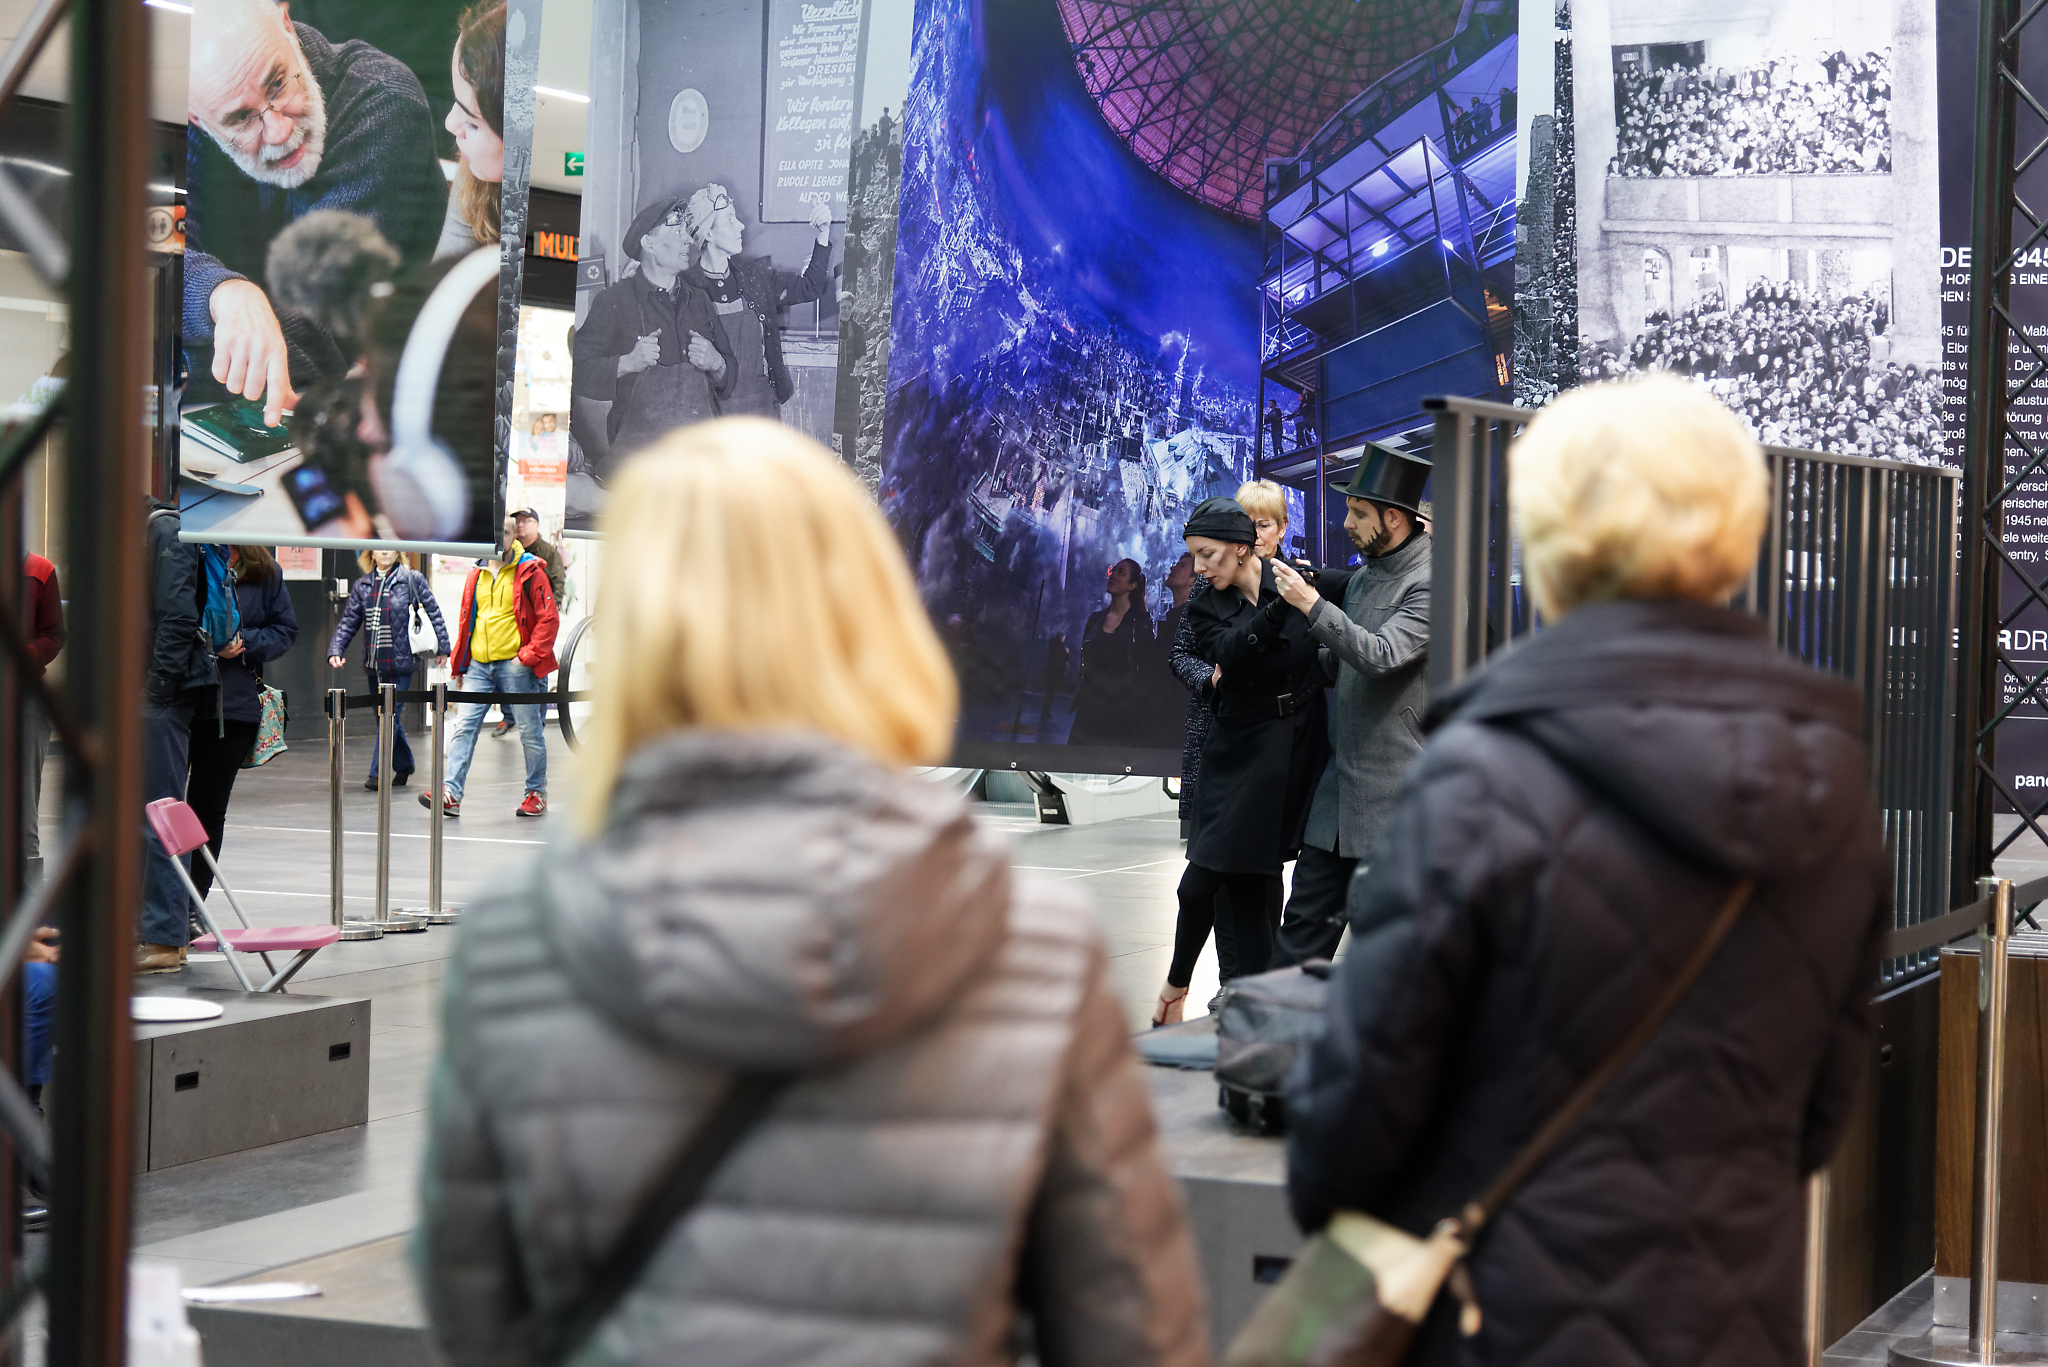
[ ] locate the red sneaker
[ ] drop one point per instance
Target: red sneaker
(536, 804)
(450, 806)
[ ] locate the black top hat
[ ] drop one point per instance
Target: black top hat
(645, 222)
(1388, 476)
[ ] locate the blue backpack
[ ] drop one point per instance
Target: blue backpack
(220, 617)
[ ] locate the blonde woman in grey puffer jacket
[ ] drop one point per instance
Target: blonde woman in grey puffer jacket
(966, 1161)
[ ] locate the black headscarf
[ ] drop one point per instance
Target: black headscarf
(1222, 519)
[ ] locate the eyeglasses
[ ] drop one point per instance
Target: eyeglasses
(244, 127)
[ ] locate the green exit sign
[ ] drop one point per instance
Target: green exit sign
(572, 163)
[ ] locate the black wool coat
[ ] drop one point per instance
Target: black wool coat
(1555, 853)
(1269, 737)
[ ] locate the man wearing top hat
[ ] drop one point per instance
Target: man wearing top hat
(1377, 646)
(651, 345)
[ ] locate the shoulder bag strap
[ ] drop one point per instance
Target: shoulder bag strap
(561, 1333)
(745, 1101)
(1476, 1214)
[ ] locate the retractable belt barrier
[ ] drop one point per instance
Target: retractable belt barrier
(463, 696)
(337, 704)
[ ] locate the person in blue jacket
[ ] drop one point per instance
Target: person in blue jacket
(224, 721)
(380, 606)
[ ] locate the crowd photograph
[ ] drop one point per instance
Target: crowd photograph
(1801, 369)
(1823, 114)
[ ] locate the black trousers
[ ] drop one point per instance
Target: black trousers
(1315, 918)
(1244, 908)
(218, 749)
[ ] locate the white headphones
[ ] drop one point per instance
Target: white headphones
(425, 493)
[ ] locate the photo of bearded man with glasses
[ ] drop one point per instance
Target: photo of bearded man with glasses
(291, 123)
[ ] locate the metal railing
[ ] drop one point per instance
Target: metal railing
(1856, 576)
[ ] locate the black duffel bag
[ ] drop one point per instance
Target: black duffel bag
(1261, 1025)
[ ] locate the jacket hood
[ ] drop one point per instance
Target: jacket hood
(775, 902)
(1686, 717)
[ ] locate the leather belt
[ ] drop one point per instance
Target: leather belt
(1285, 705)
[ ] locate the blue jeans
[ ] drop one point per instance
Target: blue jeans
(401, 749)
(38, 1008)
(498, 676)
(166, 763)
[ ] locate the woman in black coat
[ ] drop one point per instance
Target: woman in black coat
(1586, 804)
(1116, 643)
(225, 722)
(1266, 746)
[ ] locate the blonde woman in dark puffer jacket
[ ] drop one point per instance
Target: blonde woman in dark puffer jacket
(762, 886)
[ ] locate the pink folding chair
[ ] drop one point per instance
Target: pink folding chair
(179, 832)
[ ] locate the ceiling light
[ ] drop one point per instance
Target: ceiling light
(538, 90)
(172, 5)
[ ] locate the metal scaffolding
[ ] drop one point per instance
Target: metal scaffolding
(93, 878)
(1998, 457)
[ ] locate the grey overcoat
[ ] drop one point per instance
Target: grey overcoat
(1379, 645)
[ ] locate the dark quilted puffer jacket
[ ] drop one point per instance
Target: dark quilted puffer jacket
(1555, 852)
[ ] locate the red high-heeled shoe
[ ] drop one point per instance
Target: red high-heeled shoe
(1170, 1009)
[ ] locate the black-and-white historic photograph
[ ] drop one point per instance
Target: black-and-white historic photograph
(719, 137)
(1756, 197)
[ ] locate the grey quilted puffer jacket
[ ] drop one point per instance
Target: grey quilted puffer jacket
(969, 1141)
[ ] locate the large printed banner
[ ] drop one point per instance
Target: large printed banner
(716, 186)
(1777, 200)
(1748, 195)
(357, 183)
(911, 233)
(1073, 366)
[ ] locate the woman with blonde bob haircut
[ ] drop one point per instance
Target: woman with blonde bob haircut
(946, 1130)
(1646, 488)
(1267, 504)
(1585, 807)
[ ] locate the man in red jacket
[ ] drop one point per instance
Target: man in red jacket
(504, 643)
(43, 614)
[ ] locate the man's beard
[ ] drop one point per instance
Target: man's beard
(1378, 543)
(309, 131)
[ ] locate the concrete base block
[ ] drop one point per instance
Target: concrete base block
(1091, 798)
(368, 1312)
(271, 1067)
(2022, 1306)
(1235, 1184)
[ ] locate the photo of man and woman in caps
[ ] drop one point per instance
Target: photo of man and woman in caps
(713, 210)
